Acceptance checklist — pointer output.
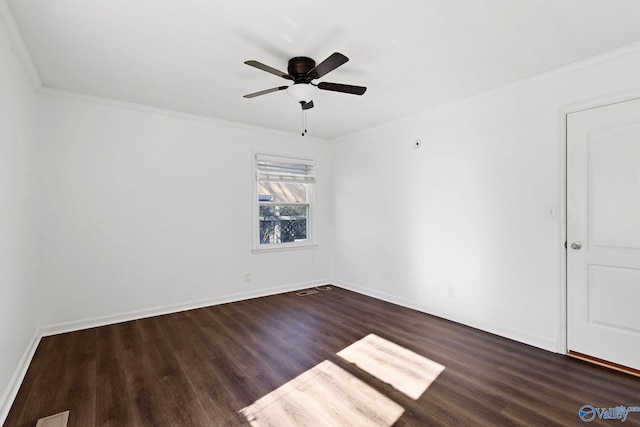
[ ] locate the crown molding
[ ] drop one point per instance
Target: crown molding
(19, 47)
(563, 70)
(47, 91)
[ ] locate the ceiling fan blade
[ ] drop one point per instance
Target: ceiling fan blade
(307, 105)
(331, 63)
(261, 66)
(264, 92)
(339, 87)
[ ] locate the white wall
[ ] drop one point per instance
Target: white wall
(468, 209)
(143, 210)
(18, 221)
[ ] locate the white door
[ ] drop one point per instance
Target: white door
(603, 233)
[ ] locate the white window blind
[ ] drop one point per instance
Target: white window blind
(283, 169)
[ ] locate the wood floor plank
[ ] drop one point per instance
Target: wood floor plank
(213, 366)
(111, 389)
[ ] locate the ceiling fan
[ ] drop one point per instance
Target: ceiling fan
(302, 70)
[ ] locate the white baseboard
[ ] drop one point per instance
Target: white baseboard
(60, 328)
(14, 385)
(11, 391)
(487, 326)
(16, 381)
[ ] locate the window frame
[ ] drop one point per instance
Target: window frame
(310, 241)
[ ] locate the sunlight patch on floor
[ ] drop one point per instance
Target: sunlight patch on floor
(403, 369)
(325, 395)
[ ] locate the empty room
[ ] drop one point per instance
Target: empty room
(283, 213)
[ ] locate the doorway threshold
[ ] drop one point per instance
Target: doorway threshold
(605, 363)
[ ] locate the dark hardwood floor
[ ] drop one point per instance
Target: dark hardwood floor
(202, 367)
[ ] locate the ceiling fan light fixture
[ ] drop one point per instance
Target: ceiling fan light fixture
(302, 92)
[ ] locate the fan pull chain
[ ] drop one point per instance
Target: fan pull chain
(304, 122)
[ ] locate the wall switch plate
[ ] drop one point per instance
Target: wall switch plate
(552, 211)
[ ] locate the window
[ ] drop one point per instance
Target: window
(284, 201)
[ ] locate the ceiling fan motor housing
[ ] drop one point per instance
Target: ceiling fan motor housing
(299, 67)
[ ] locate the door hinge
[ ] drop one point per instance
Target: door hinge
(565, 245)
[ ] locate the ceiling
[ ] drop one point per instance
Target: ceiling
(413, 55)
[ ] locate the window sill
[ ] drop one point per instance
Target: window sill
(282, 247)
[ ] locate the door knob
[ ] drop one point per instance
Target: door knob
(576, 245)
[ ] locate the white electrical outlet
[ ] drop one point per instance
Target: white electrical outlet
(451, 291)
(247, 277)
